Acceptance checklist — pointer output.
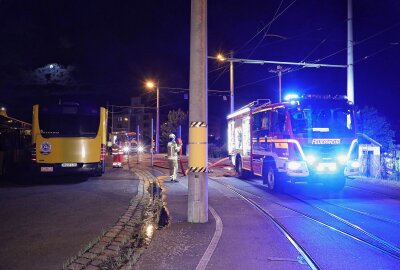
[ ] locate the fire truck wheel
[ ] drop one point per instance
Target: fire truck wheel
(242, 174)
(271, 178)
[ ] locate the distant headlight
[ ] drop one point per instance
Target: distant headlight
(355, 164)
(140, 149)
(126, 149)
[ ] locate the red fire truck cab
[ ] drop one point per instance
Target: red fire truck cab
(307, 139)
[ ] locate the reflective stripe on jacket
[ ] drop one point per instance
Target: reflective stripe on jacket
(173, 150)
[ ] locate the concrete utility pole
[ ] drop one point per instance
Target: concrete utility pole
(198, 155)
(350, 43)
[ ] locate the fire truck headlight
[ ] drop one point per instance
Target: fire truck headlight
(126, 149)
(320, 168)
(311, 159)
(294, 165)
(342, 158)
(355, 164)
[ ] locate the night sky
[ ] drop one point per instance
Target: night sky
(116, 45)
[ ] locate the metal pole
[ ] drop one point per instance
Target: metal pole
(232, 90)
(158, 120)
(262, 62)
(279, 68)
(152, 142)
(179, 132)
(350, 64)
(198, 171)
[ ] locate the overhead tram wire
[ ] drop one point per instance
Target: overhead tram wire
(258, 44)
(335, 53)
(313, 50)
(260, 31)
(376, 52)
(295, 37)
(276, 16)
(266, 32)
(320, 59)
(378, 33)
(226, 69)
(361, 42)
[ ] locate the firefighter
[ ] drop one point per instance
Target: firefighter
(173, 148)
(118, 153)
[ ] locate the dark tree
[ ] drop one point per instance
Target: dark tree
(377, 127)
(175, 118)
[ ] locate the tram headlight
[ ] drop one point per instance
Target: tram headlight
(126, 149)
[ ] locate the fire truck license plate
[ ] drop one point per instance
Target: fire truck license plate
(46, 169)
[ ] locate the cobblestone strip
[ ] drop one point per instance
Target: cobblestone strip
(150, 220)
(120, 246)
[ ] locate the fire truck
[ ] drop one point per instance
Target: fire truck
(304, 139)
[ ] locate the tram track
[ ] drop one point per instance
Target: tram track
(374, 192)
(302, 251)
(350, 224)
(363, 213)
(389, 249)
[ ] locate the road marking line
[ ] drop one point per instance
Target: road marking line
(214, 241)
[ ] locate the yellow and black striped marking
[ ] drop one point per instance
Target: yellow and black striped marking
(198, 124)
(198, 169)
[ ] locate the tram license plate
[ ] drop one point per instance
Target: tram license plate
(69, 165)
(46, 169)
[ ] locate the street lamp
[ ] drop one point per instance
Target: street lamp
(221, 58)
(152, 85)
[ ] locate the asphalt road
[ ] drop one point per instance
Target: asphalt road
(44, 224)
